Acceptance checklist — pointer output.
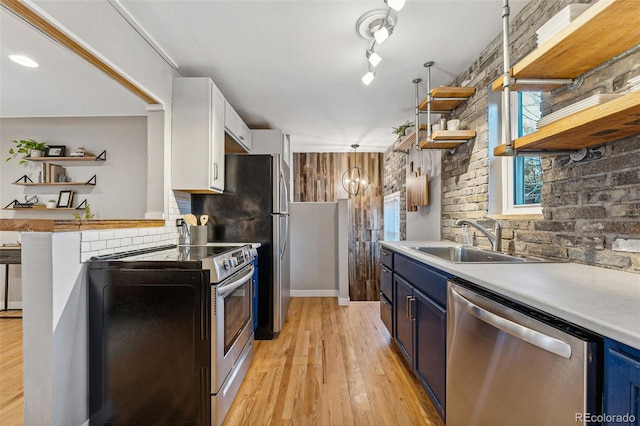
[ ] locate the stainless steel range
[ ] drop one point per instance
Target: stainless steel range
(181, 319)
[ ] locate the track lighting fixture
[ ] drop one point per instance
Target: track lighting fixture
(373, 57)
(377, 25)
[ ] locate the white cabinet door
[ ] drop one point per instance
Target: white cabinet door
(197, 136)
(236, 128)
(217, 139)
(271, 142)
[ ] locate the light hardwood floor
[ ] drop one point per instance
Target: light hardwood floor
(330, 366)
(11, 400)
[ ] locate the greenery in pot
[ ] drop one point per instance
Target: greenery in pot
(87, 213)
(401, 129)
(24, 146)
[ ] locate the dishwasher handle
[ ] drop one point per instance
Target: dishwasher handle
(541, 340)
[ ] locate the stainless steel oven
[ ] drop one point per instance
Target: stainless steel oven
(189, 311)
(231, 340)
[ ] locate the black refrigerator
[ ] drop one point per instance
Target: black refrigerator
(254, 208)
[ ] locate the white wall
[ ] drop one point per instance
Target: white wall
(425, 223)
(121, 187)
(314, 249)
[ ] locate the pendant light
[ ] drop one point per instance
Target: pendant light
(355, 180)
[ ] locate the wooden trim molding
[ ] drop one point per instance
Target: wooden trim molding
(34, 19)
(65, 225)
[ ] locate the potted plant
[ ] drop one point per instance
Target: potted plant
(401, 130)
(52, 204)
(27, 147)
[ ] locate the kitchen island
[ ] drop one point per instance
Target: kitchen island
(54, 303)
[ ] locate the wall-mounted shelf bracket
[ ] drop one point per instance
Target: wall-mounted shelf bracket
(82, 205)
(102, 156)
(91, 181)
(24, 179)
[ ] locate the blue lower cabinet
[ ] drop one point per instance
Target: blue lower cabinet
(431, 348)
(420, 324)
(622, 384)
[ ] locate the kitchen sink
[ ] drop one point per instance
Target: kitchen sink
(466, 254)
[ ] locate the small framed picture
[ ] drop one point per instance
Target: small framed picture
(55, 151)
(65, 199)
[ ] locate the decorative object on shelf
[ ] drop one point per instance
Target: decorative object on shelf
(55, 151)
(27, 147)
(377, 25)
(417, 190)
(87, 212)
(65, 199)
(355, 180)
(80, 152)
(401, 130)
(52, 204)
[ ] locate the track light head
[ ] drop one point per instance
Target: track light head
(373, 57)
(395, 4)
(368, 78)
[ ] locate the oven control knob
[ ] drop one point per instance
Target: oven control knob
(226, 264)
(247, 254)
(254, 252)
(234, 261)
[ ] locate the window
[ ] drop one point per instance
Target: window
(521, 181)
(527, 171)
(392, 217)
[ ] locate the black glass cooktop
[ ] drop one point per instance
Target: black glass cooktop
(170, 253)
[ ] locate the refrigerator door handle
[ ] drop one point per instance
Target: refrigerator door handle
(286, 235)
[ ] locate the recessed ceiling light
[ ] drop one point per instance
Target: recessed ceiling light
(24, 61)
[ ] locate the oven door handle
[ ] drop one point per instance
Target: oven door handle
(225, 289)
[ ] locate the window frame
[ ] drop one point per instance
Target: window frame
(393, 198)
(508, 170)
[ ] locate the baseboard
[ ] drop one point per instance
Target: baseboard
(344, 301)
(11, 305)
(314, 293)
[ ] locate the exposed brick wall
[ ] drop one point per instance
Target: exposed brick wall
(395, 179)
(591, 209)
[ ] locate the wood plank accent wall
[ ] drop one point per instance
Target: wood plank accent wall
(317, 177)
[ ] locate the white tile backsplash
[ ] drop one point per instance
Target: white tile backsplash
(98, 243)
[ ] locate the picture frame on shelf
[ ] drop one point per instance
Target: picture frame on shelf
(55, 151)
(65, 199)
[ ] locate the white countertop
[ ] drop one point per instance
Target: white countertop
(602, 300)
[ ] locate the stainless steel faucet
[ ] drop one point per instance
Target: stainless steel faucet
(495, 238)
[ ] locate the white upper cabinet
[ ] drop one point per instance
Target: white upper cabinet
(197, 136)
(272, 142)
(236, 128)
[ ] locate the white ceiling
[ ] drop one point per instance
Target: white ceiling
(294, 65)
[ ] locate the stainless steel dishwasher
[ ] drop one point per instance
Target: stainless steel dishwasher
(511, 365)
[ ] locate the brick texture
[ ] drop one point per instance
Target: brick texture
(394, 180)
(591, 208)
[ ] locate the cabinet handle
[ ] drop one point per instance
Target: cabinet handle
(384, 253)
(241, 137)
(410, 301)
(215, 171)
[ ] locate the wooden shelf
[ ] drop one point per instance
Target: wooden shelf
(612, 120)
(53, 183)
(604, 30)
(38, 208)
(408, 141)
(447, 139)
(52, 159)
(460, 94)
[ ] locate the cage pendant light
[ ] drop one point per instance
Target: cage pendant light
(355, 180)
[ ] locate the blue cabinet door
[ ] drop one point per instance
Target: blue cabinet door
(622, 384)
(431, 348)
(402, 296)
